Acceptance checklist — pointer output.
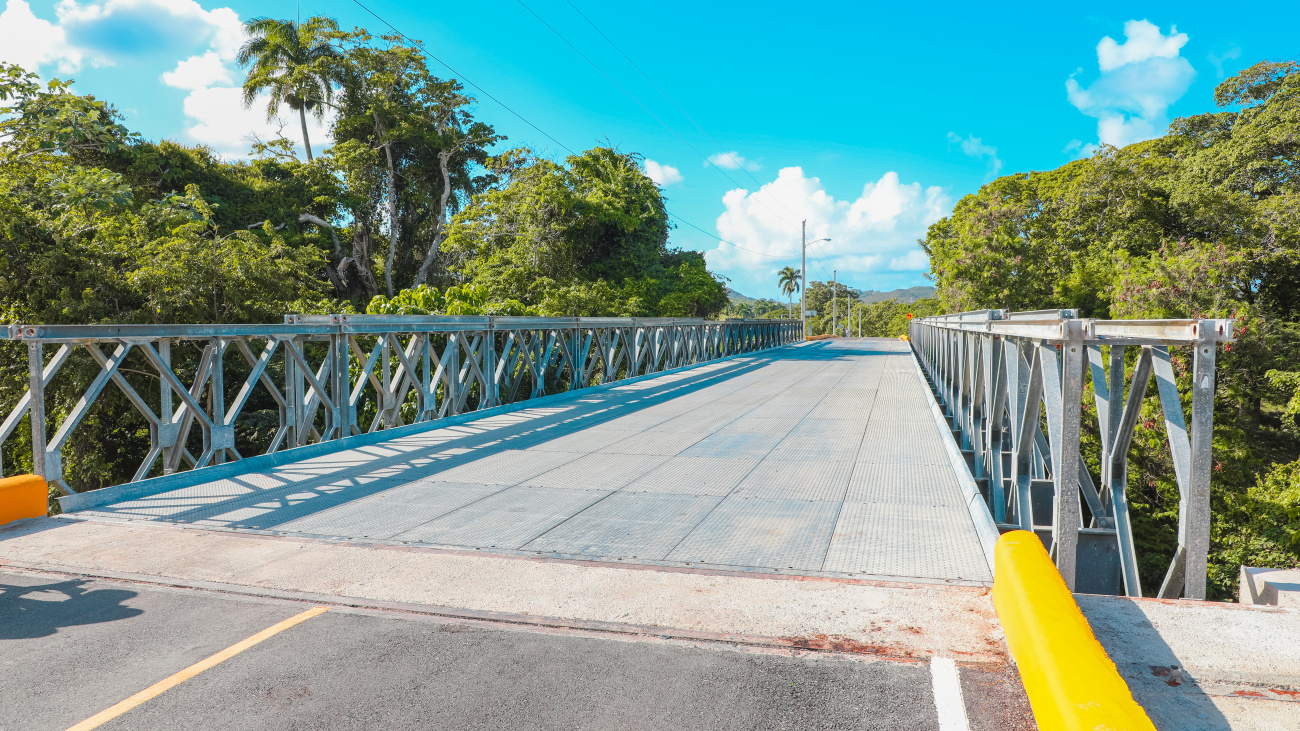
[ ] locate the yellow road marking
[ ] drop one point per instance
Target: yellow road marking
(163, 686)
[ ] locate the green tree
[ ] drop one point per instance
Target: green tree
(587, 237)
(1202, 222)
(788, 278)
(291, 61)
(411, 153)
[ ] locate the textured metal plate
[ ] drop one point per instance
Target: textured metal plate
(665, 444)
(781, 410)
(391, 512)
(703, 421)
(829, 427)
(506, 519)
(598, 471)
(505, 468)
(832, 408)
(637, 525)
(750, 425)
(740, 446)
(584, 441)
(772, 478)
(927, 452)
(753, 532)
(694, 476)
(906, 540)
(905, 485)
(818, 448)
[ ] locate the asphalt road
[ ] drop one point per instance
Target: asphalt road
(71, 648)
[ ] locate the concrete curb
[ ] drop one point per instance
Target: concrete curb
(189, 478)
(23, 496)
(1071, 682)
(985, 527)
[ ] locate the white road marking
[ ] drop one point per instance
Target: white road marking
(947, 695)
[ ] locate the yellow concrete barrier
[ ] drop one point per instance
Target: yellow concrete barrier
(1071, 681)
(24, 496)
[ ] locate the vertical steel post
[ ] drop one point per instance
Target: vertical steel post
(167, 427)
(1198, 503)
(36, 411)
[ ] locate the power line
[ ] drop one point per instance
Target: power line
(647, 110)
(719, 238)
(703, 131)
(525, 120)
(462, 77)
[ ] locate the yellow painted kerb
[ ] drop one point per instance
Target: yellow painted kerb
(1071, 681)
(24, 496)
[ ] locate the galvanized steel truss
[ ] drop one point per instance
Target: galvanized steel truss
(1012, 387)
(342, 375)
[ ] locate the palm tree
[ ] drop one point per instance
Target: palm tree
(788, 278)
(288, 60)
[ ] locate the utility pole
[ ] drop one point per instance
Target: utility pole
(835, 291)
(803, 276)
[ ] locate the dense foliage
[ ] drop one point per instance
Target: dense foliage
(100, 226)
(1203, 222)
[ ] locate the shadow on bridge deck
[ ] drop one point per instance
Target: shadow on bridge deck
(819, 459)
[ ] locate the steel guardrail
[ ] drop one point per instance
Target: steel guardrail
(1012, 387)
(336, 376)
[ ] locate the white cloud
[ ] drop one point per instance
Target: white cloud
(1142, 40)
(32, 42)
(732, 161)
(183, 44)
(871, 235)
(974, 147)
(222, 122)
(1140, 79)
(662, 174)
(199, 72)
(114, 29)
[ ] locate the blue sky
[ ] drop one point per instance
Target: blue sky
(867, 121)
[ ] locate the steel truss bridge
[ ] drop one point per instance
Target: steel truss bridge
(730, 444)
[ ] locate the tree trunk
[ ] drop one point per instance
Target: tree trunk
(394, 226)
(360, 261)
(302, 117)
(440, 226)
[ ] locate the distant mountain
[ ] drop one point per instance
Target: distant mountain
(911, 294)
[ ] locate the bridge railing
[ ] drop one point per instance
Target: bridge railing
(213, 393)
(1012, 387)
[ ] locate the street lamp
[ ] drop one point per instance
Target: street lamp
(803, 277)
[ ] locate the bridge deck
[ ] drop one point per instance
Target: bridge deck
(821, 459)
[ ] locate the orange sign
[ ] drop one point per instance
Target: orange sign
(909, 315)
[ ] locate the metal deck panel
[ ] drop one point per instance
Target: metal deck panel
(509, 467)
(818, 448)
(583, 442)
(753, 532)
(740, 446)
(598, 471)
(906, 540)
(905, 485)
(751, 425)
(773, 478)
(392, 511)
(638, 525)
(694, 476)
(506, 519)
(666, 444)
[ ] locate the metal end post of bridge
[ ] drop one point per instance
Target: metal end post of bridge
(1012, 386)
(328, 377)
